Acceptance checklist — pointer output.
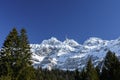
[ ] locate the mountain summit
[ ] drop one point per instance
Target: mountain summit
(70, 55)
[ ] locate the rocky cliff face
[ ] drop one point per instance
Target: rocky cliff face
(70, 55)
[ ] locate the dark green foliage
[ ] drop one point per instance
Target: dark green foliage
(91, 73)
(98, 71)
(25, 48)
(83, 74)
(15, 55)
(43, 74)
(5, 77)
(77, 75)
(26, 73)
(111, 67)
(9, 53)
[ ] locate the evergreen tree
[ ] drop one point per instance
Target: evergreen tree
(83, 74)
(25, 48)
(77, 75)
(91, 73)
(25, 58)
(9, 53)
(98, 71)
(27, 73)
(111, 67)
(15, 56)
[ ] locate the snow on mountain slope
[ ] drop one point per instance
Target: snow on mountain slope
(71, 55)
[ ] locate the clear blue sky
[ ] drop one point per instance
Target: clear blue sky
(78, 19)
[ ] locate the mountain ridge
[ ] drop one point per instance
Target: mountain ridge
(69, 54)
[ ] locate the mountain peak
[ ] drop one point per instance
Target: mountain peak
(53, 38)
(94, 41)
(51, 41)
(71, 42)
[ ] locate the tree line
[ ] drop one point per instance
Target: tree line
(16, 64)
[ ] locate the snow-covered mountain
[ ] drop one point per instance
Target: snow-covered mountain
(70, 55)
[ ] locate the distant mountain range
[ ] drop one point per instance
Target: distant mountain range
(70, 55)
